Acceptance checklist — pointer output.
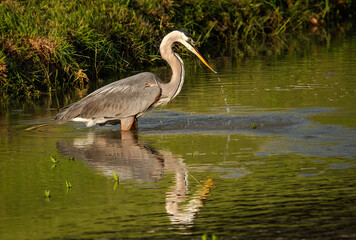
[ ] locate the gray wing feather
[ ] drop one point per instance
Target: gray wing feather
(127, 97)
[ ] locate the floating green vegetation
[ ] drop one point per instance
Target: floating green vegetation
(116, 178)
(47, 194)
(253, 126)
(205, 236)
(54, 159)
(48, 46)
(68, 184)
(71, 158)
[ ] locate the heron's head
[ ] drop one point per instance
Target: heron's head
(184, 38)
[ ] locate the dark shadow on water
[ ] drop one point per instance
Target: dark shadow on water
(171, 122)
(294, 131)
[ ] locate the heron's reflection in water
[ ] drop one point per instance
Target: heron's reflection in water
(132, 159)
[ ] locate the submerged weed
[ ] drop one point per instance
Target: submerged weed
(115, 185)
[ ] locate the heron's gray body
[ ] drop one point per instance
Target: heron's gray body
(129, 98)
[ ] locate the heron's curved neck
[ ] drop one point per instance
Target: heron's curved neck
(171, 90)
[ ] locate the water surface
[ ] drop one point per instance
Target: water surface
(265, 150)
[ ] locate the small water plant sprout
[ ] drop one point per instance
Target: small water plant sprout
(54, 159)
(205, 236)
(253, 126)
(115, 176)
(68, 184)
(47, 194)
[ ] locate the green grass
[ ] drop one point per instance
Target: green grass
(48, 46)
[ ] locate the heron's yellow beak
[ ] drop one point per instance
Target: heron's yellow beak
(196, 52)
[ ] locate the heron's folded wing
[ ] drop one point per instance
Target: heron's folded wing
(121, 102)
(127, 97)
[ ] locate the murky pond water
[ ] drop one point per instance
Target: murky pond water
(265, 151)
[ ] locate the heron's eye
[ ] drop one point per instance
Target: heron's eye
(190, 41)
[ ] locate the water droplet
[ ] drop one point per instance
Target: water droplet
(225, 100)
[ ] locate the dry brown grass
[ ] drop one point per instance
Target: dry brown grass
(38, 46)
(2, 71)
(42, 45)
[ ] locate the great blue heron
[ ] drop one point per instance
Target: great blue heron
(127, 99)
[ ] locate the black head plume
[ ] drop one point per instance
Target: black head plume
(185, 32)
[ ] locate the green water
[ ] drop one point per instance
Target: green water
(197, 166)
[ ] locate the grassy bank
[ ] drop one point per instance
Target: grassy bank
(58, 45)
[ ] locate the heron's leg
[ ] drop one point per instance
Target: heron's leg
(129, 123)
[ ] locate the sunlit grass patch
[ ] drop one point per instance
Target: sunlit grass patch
(46, 45)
